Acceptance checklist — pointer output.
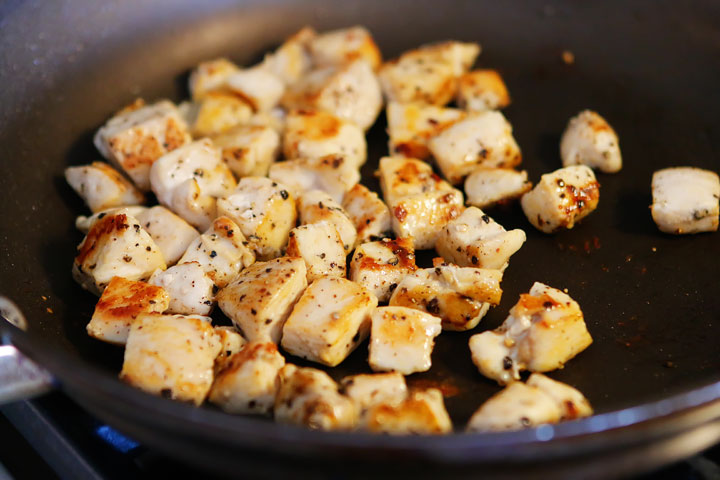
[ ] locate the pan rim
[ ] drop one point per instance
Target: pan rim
(668, 415)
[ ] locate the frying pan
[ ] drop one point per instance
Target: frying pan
(651, 301)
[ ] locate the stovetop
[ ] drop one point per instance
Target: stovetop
(52, 437)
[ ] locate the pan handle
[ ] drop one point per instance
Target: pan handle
(20, 377)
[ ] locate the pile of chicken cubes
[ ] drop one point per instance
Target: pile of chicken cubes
(260, 210)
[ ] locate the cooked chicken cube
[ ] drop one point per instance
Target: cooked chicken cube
(171, 355)
(402, 339)
(84, 223)
(291, 60)
(589, 140)
(265, 211)
(460, 296)
(210, 76)
(515, 407)
(261, 298)
(171, 233)
(421, 203)
(339, 47)
(486, 187)
(215, 113)
(380, 266)
(134, 139)
(562, 198)
(309, 397)
(316, 134)
(481, 90)
(331, 318)
(115, 246)
(351, 92)
(368, 390)
(249, 150)
(482, 138)
(403, 177)
(222, 251)
(544, 330)
(190, 289)
(102, 187)
(317, 206)
(411, 125)
(422, 217)
(475, 240)
(423, 412)
(188, 181)
(332, 174)
(320, 246)
(247, 381)
(572, 403)
(369, 214)
(685, 200)
(257, 86)
(427, 74)
(120, 304)
(231, 342)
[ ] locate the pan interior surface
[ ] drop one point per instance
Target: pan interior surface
(650, 300)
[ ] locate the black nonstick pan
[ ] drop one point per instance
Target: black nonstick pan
(651, 301)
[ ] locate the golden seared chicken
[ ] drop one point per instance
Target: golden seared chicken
(460, 296)
(249, 150)
(215, 113)
(380, 266)
(544, 330)
(102, 187)
(222, 251)
(115, 246)
(368, 213)
(476, 240)
(316, 134)
(260, 299)
(481, 90)
(137, 136)
(523, 405)
(84, 223)
(422, 412)
(189, 180)
(562, 198)
(685, 200)
(309, 397)
(589, 140)
(421, 203)
(320, 246)
(351, 92)
(329, 321)
(247, 381)
(291, 61)
(257, 86)
(332, 174)
(427, 74)
(120, 304)
(487, 186)
(339, 47)
(481, 138)
(317, 206)
(368, 390)
(210, 76)
(170, 233)
(172, 356)
(265, 212)
(189, 287)
(412, 125)
(402, 339)
(230, 343)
